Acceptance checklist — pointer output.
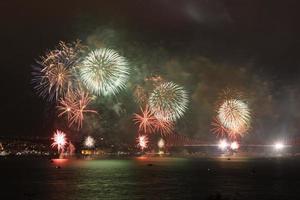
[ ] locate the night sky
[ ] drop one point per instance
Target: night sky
(252, 44)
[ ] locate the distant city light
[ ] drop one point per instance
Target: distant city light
(234, 145)
(223, 145)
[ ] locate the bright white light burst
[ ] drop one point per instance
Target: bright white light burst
(234, 145)
(279, 146)
(104, 72)
(223, 145)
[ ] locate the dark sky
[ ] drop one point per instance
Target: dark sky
(266, 32)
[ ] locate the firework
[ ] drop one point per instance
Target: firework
(148, 123)
(222, 131)
(234, 145)
(234, 115)
(223, 145)
(74, 104)
(89, 142)
(168, 101)
(55, 75)
(164, 126)
(142, 141)
(161, 143)
(104, 72)
(218, 128)
(59, 140)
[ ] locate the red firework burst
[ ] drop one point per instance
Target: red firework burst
(75, 106)
(148, 123)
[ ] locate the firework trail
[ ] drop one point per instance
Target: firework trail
(55, 75)
(59, 140)
(142, 141)
(168, 101)
(89, 142)
(104, 72)
(74, 104)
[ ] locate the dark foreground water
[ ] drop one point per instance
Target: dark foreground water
(166, 178)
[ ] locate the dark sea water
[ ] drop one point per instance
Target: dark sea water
(136, 178)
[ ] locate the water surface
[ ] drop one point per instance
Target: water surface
(149, 178)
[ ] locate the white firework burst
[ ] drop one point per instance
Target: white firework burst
(104, 72)
(54, 76)
(234, 115)
(168, 101)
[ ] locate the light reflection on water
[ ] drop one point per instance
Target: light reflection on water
(148, 178)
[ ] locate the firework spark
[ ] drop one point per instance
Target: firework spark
(55, 75)
(59, 140)
(168, 101)
(74, 104)
(234, 115)
(142, 141)
(104, 72)
(89, 142)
